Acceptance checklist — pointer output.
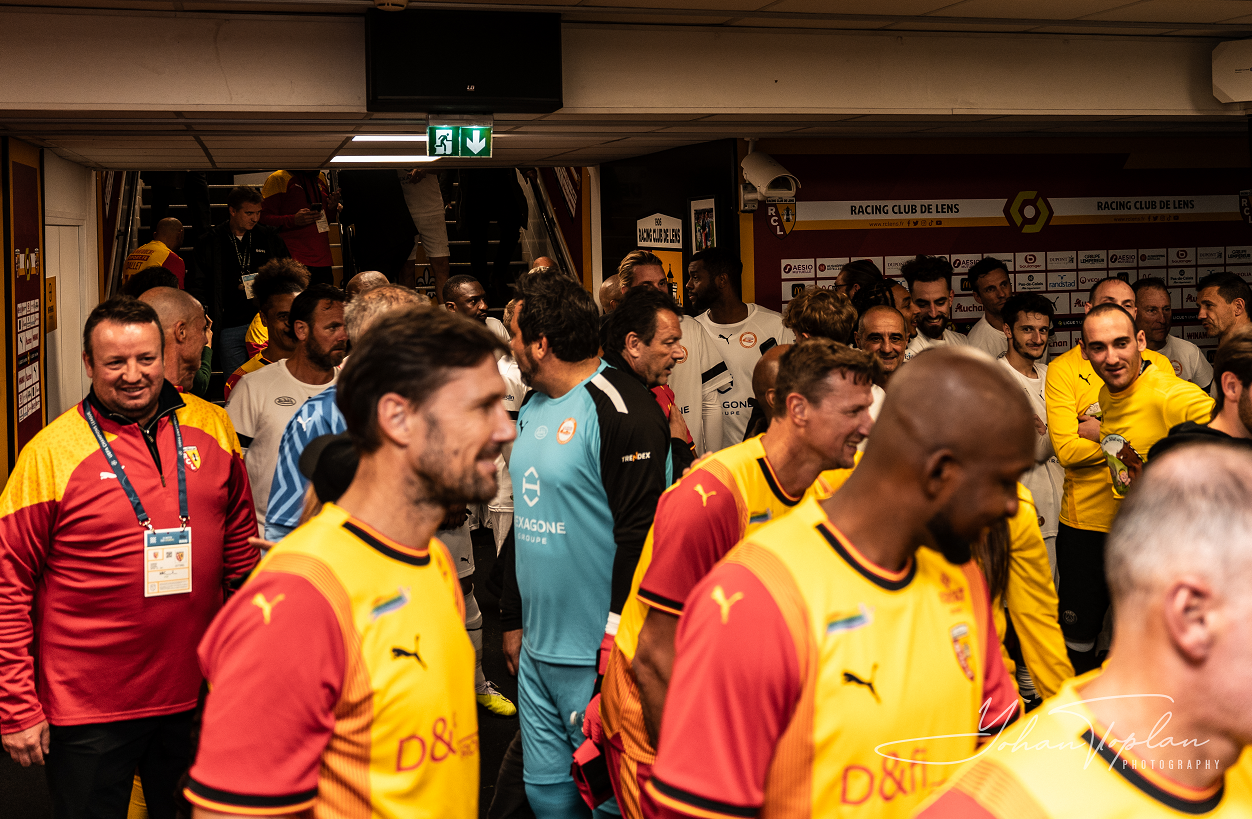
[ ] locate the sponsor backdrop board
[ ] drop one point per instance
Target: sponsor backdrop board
(1058, 222)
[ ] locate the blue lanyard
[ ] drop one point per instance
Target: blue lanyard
(127, 487)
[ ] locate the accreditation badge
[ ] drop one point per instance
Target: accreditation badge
(167, 562)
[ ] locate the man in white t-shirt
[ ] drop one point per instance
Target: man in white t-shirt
(465, 295)
(1155, 317)
(702, 373)
(989, 279)
(1027, 320)
(930, 285)
(264, 401)
(740, 332)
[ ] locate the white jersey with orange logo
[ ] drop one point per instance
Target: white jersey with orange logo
(742, 345)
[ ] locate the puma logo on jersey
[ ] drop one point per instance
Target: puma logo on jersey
(304, 422)
(719, 597)
(724, 338)
(849, 677)
(267, 606)
(398, 653)
(704, 496)
(1085, 378)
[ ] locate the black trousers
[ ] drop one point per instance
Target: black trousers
(1084, 592)
(91, 768)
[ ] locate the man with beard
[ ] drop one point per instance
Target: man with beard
(1072, 394)
(829, 661)
(590, 461)
(741, 332)
(820, 415)
(1224, 300)
(465, 295)
(883, 332)
(1232, 410)
(1140, 401)
(989, 279)
(340, 677)
(263, 401)
(701, 373)
(1027, 322)
(930, 285)
(1154, 317)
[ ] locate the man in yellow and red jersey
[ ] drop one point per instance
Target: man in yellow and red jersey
(1167, 715)
(821, 414)
(276, 286)
(826, 664)
(341, 679)
(162, 251)
(1072, 396)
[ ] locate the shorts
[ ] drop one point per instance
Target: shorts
(1084, 591)
(628, 776)
(426, 207)
(551, 701)
(461, 547)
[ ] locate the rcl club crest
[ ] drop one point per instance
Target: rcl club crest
(782, 216)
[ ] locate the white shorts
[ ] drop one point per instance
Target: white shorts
(426, 207)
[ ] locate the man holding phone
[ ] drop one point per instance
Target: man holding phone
(300, 205)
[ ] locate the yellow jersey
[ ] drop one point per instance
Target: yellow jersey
(809, 682)
(341, 680)
(724, 497)
(1143, 414)
(258, 337)
(1060, 763)
(1072, 389)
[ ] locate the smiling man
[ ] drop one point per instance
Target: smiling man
(115, 626)
(883, 332)
(820, 415)
(341, 680)
(828, 633)
(930, 285)
(465, 296)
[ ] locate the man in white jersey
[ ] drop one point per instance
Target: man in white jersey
(1027, 319)
(714, 289)
(263, 401)
(1154, 318)
(930, 285)
(699, 378)
(989, 279)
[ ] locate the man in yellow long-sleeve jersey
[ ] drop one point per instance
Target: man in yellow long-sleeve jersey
(1072, 394)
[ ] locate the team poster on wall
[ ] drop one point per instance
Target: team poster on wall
(1060, 222)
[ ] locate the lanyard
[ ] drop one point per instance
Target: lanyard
(127, 487)
(244, 259)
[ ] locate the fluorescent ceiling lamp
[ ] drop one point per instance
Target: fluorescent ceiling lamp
(406, 159)
(389, 138)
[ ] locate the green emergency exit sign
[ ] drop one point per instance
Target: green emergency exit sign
(458, 140)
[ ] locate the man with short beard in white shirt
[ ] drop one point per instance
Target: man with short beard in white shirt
(989, 279)
(747, 331)
(1027, 320)
(930, 285)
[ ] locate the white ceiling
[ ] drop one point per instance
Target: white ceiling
(193, 140)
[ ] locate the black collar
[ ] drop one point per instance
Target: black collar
(169, 400)
(616, 361)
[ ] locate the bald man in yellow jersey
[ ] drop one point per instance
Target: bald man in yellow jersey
(1072, 395)
(820, 415)
(827, 662)
(1158, 732)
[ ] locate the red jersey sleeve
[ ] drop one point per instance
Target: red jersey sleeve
(697, 523)
(735, 685)
(26, 526)
(239, 524)
(274, 659)
(999, 692)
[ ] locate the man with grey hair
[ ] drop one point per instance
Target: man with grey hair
(1168, 713)
(185, 324)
